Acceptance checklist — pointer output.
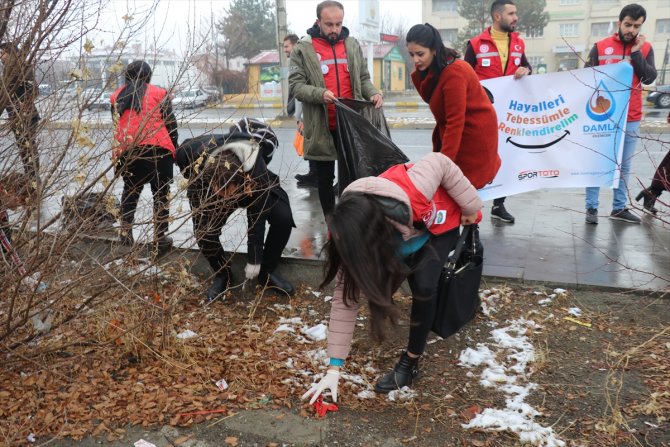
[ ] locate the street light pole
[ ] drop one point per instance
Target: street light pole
(283, 62)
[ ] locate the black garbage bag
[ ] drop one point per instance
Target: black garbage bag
(364, 145)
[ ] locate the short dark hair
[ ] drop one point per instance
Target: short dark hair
(499, 6)
(292, 37)
(634, 11)
(327, 4)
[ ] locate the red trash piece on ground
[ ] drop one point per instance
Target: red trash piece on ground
(322, 408)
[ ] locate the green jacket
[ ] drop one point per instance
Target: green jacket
(306, 83)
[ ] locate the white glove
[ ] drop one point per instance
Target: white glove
(328, 382)
(251, 271)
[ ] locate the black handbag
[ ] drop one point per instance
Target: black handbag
(458, 290)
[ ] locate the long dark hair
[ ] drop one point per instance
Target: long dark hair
(427, 36)
(138, 75)
(363, 247)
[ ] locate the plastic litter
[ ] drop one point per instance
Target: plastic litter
(143, 443)
(321, 407)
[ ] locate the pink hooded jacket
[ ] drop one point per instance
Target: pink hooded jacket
(428, 174)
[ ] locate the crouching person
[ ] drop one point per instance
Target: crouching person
(401, 224)
(227, 172)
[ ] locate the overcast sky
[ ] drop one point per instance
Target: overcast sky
(175, 22)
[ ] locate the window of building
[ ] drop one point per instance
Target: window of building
(569, 29)
(605, 1)
(663, 26)
(449, 35)
(570, 2)
(400, 73)
(534, 32)
(601, 29)
(534, 61)
(445, 5)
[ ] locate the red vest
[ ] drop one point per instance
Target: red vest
(612, 51)
(440, 214)
(335, 69)
(489, 64)
(147, 127)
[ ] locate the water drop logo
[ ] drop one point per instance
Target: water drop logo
(601, 105)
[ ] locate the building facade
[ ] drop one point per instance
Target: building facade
(574, 26)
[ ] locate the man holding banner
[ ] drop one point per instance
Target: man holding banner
(627, 44)
(499, 51)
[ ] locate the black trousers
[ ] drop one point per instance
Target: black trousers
(142, 165)
(661, 180)
(209, 219)
(426, 266)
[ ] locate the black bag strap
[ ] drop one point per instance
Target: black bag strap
(458, 249)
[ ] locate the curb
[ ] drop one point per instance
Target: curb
(397, 104)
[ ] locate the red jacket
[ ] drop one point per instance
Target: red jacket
(440, 214)
(612, 51)
(466, 127)
(333, 60)
(489, 64)
(147, 127)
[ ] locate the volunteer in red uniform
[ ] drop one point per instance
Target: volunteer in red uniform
(144, 148)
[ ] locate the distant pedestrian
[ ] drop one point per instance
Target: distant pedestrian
(17, 96)
(325, 65)
(294, 109)
(630, 46)
(145, 141)
(227, 172)
(466, 126)
(499, 51)
(383, 230)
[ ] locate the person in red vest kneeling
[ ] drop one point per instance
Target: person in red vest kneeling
(145, 138)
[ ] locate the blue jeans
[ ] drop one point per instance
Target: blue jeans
(621, 192)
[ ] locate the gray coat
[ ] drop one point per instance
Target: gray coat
(307, 85)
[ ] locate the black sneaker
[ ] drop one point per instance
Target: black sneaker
(591, 216)
(309, 183)
(305, 177)
(499, 212)
(624, 215)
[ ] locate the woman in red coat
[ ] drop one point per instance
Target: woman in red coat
(466, 127)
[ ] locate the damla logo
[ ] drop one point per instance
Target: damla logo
(601, 105)
(533, 174)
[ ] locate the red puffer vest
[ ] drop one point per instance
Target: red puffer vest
(489, 64)
(335, 69)
(147, 127)
(440, 214)
(612, 51)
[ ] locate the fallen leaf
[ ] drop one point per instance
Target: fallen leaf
(231, 440)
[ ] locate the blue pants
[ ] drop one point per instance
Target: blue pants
(621, 192)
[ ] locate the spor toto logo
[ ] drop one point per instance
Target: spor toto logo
(547, 173)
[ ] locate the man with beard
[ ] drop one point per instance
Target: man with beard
(499, 51)
(325, 65)
(626, 45)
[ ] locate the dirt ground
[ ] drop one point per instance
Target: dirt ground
(118, 372)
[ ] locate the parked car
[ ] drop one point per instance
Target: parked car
(190, 99)
(96, 98)
(660, 97)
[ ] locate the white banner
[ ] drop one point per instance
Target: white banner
(560, 130)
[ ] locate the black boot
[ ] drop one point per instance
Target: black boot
(219, 286)
(274, 281)
(402, 374)
(649, 197)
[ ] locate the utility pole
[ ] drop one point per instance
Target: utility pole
(282, 29)
(665, 61)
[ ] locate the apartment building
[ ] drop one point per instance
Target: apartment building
(574, 26)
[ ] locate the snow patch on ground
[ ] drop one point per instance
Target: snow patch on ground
(505, 364)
